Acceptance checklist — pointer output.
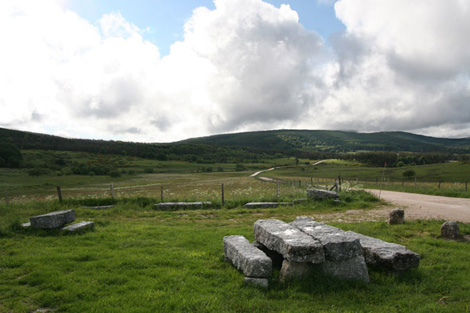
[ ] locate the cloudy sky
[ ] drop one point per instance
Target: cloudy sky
(160, 71)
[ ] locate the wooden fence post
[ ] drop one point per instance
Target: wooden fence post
(439, 185)
(466, 185)
(161, 193)
(6, 197)
(223, 196)
(112, 191)
(59, 193)
(278, 189)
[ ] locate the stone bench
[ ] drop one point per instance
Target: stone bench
(181, 205)
(344, 256)
(390, 255)
(319, 194)
(289, 241)
(99, 207)
(266, 205)
(254, 263)
(52, 220)
(79, 226)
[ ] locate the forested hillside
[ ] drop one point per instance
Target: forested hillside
(395, 148)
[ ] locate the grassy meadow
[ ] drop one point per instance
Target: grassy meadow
(138, 259)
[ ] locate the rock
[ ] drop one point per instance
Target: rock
(99, 207)
(396, 217)
(257, 282)
(318, 194)
(79, 226)
(293, 244)
(450, 230)
(53, 219)
(244, 256)
(168, 206)
(354, 268)
(266, 205)
(343, 253)
(336, 242)
(390, 255)
(261, 205)
(294, 270)
(26, 225)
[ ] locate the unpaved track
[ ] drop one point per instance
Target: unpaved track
(419, 206)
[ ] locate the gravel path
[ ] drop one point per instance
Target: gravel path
(419, 206)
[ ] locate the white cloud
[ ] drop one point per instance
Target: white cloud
(402, 65)
(246, 65)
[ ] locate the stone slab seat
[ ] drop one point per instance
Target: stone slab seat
(343, 253)
(253, 262)
(181, 205)
(390, 255)
(85, 225)
(292, 243)
(266, 205)
(52, 220)
(338, 245)
(313, 193)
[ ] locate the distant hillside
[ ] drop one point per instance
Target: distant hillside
(254, 146)
(337, 141)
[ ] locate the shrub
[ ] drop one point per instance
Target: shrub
(409, 173)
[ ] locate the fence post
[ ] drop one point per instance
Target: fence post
(59, 193)
(439, 185)
(466, 185)
(278, 189)
(6, 197)
(339, 182)
(223, 196)
(161, 193)
(112, 191)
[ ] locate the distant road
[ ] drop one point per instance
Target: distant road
(418, 206)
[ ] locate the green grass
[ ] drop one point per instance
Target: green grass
(141, 260)
(447, 179)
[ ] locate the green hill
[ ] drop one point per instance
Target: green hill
(254, 146)
(337, 141)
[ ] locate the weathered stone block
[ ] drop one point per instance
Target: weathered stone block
(167, 206)
(53, 219)
(244, 256)
(289, 241)
(354, 268)
(79, 226)
(99, 207)
(294, 270)
(396, 217)
(257, 282)
(336, 242)
(390, 255)
(450, 230)
(318, 194)
(261, 205)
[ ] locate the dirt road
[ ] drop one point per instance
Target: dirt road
(419, 206)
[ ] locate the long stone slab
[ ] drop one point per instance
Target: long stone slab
(390, 255)
(246, 257)
(52, 220)
(291, 242)
(99, 207)
(343, 253)
(336, 242)
(181, 205)
(79, 226)
(266, 205)
(318, 194)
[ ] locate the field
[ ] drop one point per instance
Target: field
(139, 259)
(446, 179)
